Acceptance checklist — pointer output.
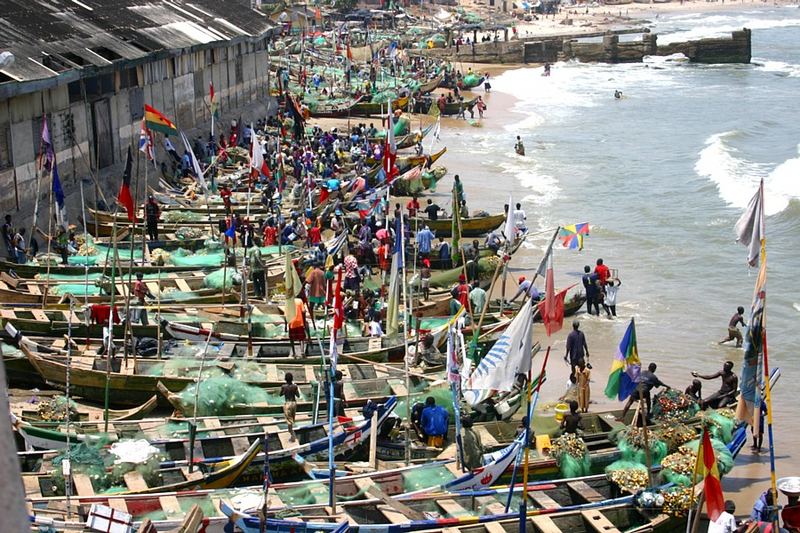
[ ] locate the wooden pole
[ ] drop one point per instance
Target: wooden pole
(373, 441)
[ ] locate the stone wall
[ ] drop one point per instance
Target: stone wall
(734, 49)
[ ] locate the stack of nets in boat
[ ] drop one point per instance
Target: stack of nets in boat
(572, 455)
(678, 467)
(471, 80)
(57, 409)
(185, 233)
(720, 423)
(629, 476)
(419, 183)
(159, 256)
(631, 443)
(675, 435)
(223, 278)
(673, 405)
(181, 216)
(223, 395)
(105, 470)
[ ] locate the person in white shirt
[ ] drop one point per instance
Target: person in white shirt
(520, 219)
(725, 522)
(375, 329)
(610, 301)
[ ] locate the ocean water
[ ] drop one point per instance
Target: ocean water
(661, 175)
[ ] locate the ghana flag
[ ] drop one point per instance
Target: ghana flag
(707, 467)
(156, 121)
(626, 366)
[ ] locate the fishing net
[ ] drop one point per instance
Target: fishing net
(186, 368)
(679, 467)
(76, 289)
(630, 476)
(676, 434)
(424, 478)
(720, 423)
(384, 97)
(571, 455)
(105, 470)
(442, 396)
(57, 409)
(402, 125)
(673, 405)
(631, 443)
(721, 451)
(188, 232)
(224, 395)
(299, 496)
(223, 278)
(181, 216)
(678, 500)
(471, 80)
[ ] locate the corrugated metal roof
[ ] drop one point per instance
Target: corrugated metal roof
(51, 37)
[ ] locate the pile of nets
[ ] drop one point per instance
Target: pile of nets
(720, 423)
(105, 470)
(57, 409)
(184, 233)
(223, 278)
(223, 395)
(571, 455)
(673, 405)
(185, 367)
(471, 80)
(402, 125)
(181, 216)
(678, 467)
(425, 478)
(384, 97)
(629, 476)
(675, 435)
(159, 256)
(631, 443)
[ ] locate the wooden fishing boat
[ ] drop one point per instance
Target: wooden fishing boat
(342, 109)
(470, 227)
(26, 408)
(374, 108)
(572, 306)
(90, 380)
(404, 141)
(175, 288)
(431, 85)
(453, 108)
(30, 270)
(225, 460)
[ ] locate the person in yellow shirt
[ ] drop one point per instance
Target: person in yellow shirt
(582, 374)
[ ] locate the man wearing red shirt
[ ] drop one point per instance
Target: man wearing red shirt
(462, 291)
(412, 206)
(602, 272)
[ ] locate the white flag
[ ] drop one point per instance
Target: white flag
(510, 229)
(750, 226)
(510, 355)
(195, 165)
(485, 476)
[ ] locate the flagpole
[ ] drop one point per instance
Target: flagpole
(406, 322)
(49, 234)
(128, 333)
(524, 502)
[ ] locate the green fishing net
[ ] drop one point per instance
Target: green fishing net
(630, 476)
(679, 467)
(443, 397)
(55, 409)
(188, 232)
(402, 125)
(471, 80)
(720, 423)
(223, 278)
(426, 477)
(631, 443)
(223, 396)
(174, 216)
(673, 405)
(571, 455)
(75, 289)
(186, 368)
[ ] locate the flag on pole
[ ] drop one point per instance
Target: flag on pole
(509, 230)
(293, 287)
(198, 172)
(390, 149)
(257, 164)
(707, 468)
(124, 197)
(146, 142)
(552, 308)
(572, 235)
(456, 228)
(157, 121)
(58, 198)
(750, 226)
(510, 355)
(48, 155)
(393, 306)
(626, 366)
(453, 366)
(214, 103)
(338, 320)
(753, 352)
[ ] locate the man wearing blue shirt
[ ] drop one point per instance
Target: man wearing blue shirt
(444, 254)
(435, 420)
(424, 240)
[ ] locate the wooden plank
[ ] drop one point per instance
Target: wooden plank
(135, 482)
(32, 488)
(240, 445)
(170, 505)
(545, 524)
(598, 521)
(153, 286)
(494, 527)
(398, 512)
(452, 508)
(212, 423)
(487, 439)
(7, 313)
(40, 315)
(543, 500)
(34, 289)
(182, 285)
(118, 504)
(585, 491)
(83, 485)
(283, 437)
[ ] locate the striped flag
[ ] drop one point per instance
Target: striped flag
(390, 149)
(146, 142)
(625, 369)
(124, 197)
(48, 154)
(157, 121)
(707, 467)
(750, 226)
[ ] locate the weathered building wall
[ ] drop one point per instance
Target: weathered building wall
(92, 129)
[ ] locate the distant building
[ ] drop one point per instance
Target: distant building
(91, 65)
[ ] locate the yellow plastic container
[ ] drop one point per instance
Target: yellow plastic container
(561, 410)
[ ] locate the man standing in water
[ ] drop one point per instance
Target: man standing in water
(519, 147)
(730, 384)
(733, 331)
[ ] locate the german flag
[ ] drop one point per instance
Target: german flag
(156, 121)
(707, 466)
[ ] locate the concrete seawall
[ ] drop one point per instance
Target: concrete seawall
(733, 49)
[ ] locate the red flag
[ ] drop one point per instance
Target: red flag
(338, 305)
(124, 197)
(390, 149)
(323, 194)
(552, 308)
(707, 466)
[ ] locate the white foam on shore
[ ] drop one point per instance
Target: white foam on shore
(791, 70)
(723, 25)
(737, 178)
(544, 188)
